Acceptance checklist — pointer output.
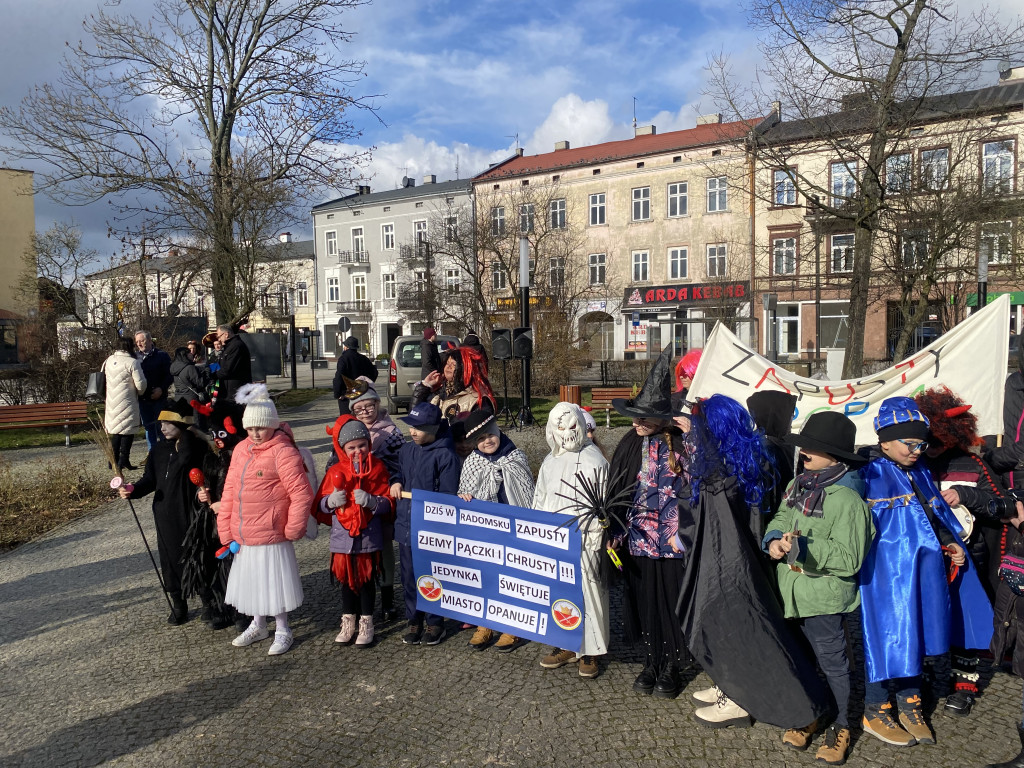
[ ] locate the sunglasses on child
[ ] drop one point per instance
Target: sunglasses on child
(915, 445)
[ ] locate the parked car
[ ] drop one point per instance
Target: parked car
(404, 369)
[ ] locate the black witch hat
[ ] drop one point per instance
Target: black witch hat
(654, 400)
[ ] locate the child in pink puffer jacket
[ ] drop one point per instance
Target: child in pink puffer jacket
(264, 508)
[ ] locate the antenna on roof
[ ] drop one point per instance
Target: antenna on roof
(516, 137)
(634, 113)
(456, 166)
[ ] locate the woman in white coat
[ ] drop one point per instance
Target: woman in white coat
(125, 382)
(572, 454)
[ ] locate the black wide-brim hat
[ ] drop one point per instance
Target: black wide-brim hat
(654, 400)
(831, 433)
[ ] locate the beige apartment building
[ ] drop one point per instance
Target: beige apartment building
(952, 196)
(656, 228)
(17, 222)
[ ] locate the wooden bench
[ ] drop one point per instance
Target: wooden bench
(601, 398)
(44, 415)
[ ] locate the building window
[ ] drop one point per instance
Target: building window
(389, 286)
(556, 271)
(641, 265)
(557, 208)
(717, 194)
(677, 199)
(419, 230)
(526, 218)
(914, 246)
(641, 204)
(597, 264)
(387, 237)
(453, 280)
(835, 324)
(333, 289)
(498, 278)
(935, 168)
(788, 329)
(898, 170)
(498, 221)
(997, 166)
(451, 228)
(419, 281)
(301, 294)
(842, 253)
(358, 241)
(784, 255)
(783, 187)
(597, 209)
(331, 239)
(995, 243)
(716, 260)
(200, 303)
(677, 263)
(844, 183)
(358, 287)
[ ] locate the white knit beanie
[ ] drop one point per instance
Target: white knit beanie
(259, 408)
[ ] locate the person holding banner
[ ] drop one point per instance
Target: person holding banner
(574, 460)
(495, 471)
(353, 499)
(428, 463)
(913, 602)
(647, 468)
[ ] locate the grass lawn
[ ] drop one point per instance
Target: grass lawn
(293, 398)
(541, 407)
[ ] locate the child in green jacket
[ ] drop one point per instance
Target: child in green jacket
(820, 535)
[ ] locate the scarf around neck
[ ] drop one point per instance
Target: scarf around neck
(808, 490)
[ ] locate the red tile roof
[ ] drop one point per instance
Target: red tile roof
(639, 146)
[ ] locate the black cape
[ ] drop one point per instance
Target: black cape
(732, 620)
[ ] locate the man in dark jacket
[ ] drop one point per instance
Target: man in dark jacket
(430, 358)
(351, 364)
(156, 367)
(235, 362)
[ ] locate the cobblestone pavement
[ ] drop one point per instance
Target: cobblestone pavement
(91, 673)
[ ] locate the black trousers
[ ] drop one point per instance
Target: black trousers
(828, 640)
(655, 586)
(412, 615)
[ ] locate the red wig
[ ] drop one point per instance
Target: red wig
(950, 419)
(687, 366)
(471, 372)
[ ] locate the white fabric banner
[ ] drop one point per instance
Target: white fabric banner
(970, 359)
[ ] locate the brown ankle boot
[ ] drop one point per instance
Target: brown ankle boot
(835, 746)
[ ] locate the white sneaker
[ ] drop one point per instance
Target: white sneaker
(348, 629)
(365, 639)
(252, 634)
(707, 696)
(723, 713)
(282, 642)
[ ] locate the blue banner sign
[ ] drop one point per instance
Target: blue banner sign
(508, 568)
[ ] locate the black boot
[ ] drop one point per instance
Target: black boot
(1013, 762)
(645, 681)
(124, 455)
(387, 604)
(964, 677)
(179, 609)
(667, 685)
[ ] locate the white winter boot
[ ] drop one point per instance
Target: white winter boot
(723, 713)
(365, 638)
(348, 629)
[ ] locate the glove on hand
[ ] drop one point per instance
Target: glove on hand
(363, 499)
(337, 499)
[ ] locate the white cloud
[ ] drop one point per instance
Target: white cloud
(574, 120)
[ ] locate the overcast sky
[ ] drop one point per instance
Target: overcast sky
(462, 80)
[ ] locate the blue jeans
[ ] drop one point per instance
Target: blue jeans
(903, 688)
(412, 615)
(827, 638)
(150, 409)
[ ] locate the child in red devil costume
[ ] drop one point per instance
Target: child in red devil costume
(353, 499)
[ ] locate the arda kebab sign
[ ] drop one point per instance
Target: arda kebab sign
(691, 293)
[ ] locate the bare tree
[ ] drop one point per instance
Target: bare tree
(156, 113)
(858, 76)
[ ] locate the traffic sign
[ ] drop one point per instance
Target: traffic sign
(344, 325)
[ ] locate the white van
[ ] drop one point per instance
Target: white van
(404, 369)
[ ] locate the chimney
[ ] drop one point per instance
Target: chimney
(645, 130)
(1012, 74)
(363, 190)
(285, 237)
(561, 145)
(777, 109)
(713, 119)
(430, 178)
(519, 151)
(855, 101)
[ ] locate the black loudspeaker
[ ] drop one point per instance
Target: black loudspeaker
(522, 343)
(501, 344)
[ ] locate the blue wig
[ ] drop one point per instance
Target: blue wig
(724, 436)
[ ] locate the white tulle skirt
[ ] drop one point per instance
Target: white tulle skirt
(264, 580)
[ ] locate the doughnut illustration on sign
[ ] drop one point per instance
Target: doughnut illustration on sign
(429, 587)
(566, 614)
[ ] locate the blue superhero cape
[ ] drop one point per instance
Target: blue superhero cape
(909, 609)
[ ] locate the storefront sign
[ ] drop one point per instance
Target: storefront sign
(693, 293)
(597, 306)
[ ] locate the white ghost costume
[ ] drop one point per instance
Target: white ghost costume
(572, 453)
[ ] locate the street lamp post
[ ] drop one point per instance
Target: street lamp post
(982, 283)
(815, 229)
(525, 413)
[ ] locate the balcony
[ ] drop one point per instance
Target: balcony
(410, 300)
(353, 258)
(350, 307)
